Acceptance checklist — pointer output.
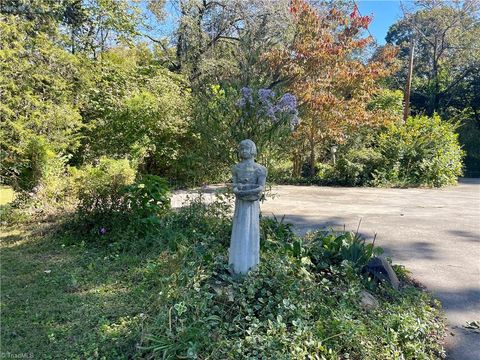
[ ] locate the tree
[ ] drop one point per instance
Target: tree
(323, 68)
(447, 50)
(39, 85)
(136, 109)
(81, 26)
(447, 64)
(221, 41)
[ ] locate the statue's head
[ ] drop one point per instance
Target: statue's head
(247, 149)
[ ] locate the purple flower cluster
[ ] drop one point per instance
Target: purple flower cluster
(247, 97)
(286, 106)
(265, 95)
(288, 103)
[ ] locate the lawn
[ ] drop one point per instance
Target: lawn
(67, 301)
(6, 195)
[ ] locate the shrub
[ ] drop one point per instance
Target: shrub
(101, 194)
(43, 187)
(111, 201)
(101, 189)
(356, 167)
(278, 171)
(146, 200)
(423, 151)
(199, 223)
(323, 248)
(40, 162)
(327, 248)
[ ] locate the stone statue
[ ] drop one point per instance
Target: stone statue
(248, 184)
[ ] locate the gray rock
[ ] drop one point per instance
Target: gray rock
(368, 301)
(381, 270)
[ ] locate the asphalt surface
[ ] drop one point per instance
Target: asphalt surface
(435, 233)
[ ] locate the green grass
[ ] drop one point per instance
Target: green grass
(69, 301)
(6, 195)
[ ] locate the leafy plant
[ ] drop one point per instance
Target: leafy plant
(148, 199)
(331, 248)
(423, 151)
(101, 189)
(357, 166)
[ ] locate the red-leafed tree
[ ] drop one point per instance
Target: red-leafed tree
(324, 68)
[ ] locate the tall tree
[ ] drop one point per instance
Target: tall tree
(222, 40)
(447, 36)
(89, 26)
(39, 86)
(323, 67)
(446, 65)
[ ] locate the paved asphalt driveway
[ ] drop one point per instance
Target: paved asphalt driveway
(435, 233)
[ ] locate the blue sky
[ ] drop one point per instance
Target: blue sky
(385, 13)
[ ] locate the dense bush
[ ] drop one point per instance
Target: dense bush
(469, 137)
(101, 189)
(148, 197)
(135, 111)
(356, 167)
(40, 83)
(423, 151)
(109, 198)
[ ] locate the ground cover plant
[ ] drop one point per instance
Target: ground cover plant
(168, 294)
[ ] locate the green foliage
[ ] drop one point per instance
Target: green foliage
(469, 137)
(39, 157)
(446, 67)
(388, 100)
(44, 186)
(330, 248)
(275, 234)
(322, 248)
(423, 151)
(228, 116)
(135, 110)
(210, 137)
(149, 196)
(101, 191)
(199, 223)
(39, 82)
(356, 166)
(290, 307)
(110, 201)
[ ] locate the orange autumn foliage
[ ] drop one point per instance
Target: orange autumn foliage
(322, 67)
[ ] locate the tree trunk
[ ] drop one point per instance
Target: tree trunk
(297, 165)
(312, 155)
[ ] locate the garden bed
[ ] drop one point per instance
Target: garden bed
(169, 294)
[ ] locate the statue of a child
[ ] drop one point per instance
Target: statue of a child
(248, 184)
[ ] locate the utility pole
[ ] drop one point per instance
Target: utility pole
(406, 108)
